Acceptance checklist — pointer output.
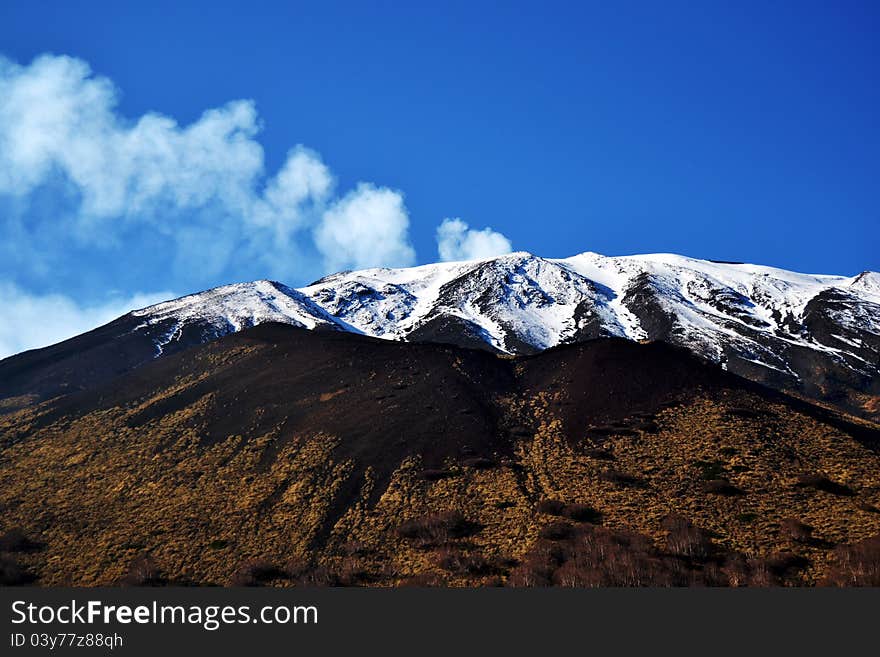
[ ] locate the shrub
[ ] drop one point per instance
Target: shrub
(537, 566)
(857, 564)
(15, 541)
(581, 513)
(256, 572)
(352, 572)
(736, 570)
(822, 483)
(423, 580)
(551, 507)
(556, 531)
(576, 575)
(525, 575)
(297, 568)
(710, 469)
(712, 574)
(621, 478)
(12, 573)
(685, 539)
(594, 556)
(303, 572)
(142, 571)
(783, 563)
(796, 530)
(320, 576)
(473, 565)
(599, 454)
(766, 572)
(760, 575)
(722, 487)
(355, 549)
(438, 527)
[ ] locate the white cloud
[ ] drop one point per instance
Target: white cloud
(31, 321)
(456, 241)
(368, 227)
(59, 124)
(57, 118)
(304, 179)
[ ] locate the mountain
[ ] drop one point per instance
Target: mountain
(141, 336)
(278, 455)
(815, 336)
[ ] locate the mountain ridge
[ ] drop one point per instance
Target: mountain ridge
(813, 335)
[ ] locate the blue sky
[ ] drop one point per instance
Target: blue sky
(736, 131)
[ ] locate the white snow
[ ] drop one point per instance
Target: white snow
(521, 298)
(231, 308)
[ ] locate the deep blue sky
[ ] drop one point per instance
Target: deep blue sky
(737, 131)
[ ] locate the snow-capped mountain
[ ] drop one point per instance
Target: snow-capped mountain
(227, 309)
(816, 335)
(819, 335)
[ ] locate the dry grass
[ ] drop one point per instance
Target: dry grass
(96, 494)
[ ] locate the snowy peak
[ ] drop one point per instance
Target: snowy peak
(816, 334)
(514, 303)
(523, 303)
(230, 308)
(867, 283)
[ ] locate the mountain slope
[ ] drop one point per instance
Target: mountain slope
(282, 455)
(817, 336)
(141, 336)
(228, 309)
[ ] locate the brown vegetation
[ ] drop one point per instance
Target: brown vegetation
(857, 564)
(222, 465)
